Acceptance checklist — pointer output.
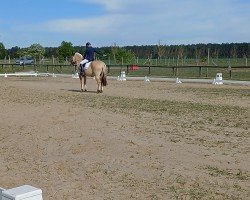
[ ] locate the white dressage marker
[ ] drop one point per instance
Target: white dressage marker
(146, 79)
(122, 77)
(25, 192)
(19, 74)
(76, 75)
(1, 189)
(178, 80)
(218, 79)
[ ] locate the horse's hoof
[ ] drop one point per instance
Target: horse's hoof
(99, 91)
(81, 90)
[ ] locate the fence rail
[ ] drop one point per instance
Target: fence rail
(67, 68)
(175, 69)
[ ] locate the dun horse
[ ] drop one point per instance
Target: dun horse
(96, 68)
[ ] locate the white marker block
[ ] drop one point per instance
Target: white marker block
(25, 192)
(1, 189)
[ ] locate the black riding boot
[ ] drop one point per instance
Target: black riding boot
(82, 71)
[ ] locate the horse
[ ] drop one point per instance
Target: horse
(96, 69)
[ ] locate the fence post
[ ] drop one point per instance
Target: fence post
(149, 70)
(53, 59)
(200, 71)
(230, 72)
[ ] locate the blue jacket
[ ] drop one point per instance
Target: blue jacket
(89, 53)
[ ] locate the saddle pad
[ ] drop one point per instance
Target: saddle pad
(87, 65)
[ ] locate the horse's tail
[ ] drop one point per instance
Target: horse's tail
(104, 76)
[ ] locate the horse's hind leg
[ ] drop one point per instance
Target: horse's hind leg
(98, 81)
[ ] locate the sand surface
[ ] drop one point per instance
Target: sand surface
(137, 140)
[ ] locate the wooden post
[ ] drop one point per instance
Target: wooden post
(149, 70)
(200, 71)
(230, 72)
(208, 57)
(127, 69)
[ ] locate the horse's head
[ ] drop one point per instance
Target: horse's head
(77, 58)
(72, 61)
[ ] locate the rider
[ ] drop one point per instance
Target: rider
(88, 56)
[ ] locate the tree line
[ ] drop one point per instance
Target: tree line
(128, 53)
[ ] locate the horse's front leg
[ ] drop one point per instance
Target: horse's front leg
(80, 77)
(85, 81)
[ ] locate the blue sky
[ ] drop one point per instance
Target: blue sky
(124, 22)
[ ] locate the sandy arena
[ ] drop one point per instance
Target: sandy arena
(137, 140)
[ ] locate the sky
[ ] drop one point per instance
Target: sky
(123, 22)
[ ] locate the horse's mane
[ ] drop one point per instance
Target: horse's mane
(78, 55)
